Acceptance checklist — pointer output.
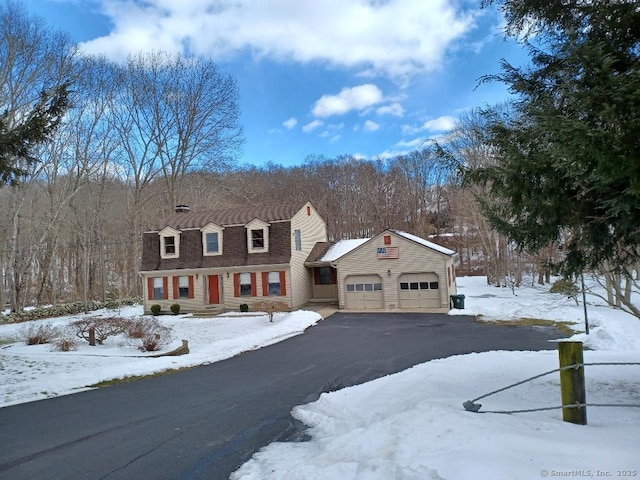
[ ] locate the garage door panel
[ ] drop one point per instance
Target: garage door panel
(419, 290)
(363, 292)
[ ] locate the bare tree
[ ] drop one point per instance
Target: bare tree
(33, 59)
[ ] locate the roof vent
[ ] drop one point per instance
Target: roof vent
(182, 209)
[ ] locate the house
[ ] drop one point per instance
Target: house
(393, 270)
(216, 260)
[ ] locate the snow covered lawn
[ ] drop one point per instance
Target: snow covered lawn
(412, 425)
(34, 372)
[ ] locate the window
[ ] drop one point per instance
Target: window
(212, 239)
(245, 284)
(158, 288)
(325, 276)
(169, 242)
(433, 285)
(257, 236)
(404, 286)
(413, 286)
(274, 283)
(364, 287)
(298, 236)
(212, 242)
(183, 287)
(257, 239)
(424, 285)
(169, 245)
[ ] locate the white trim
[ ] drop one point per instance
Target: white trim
(212, 228)
(257, 224)
(167, 232)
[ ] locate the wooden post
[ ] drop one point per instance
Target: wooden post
(92, 336)
(572, 382)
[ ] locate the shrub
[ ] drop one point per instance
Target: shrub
(156, 309)
(65, 344)
(175, 308)
(103, 328)
(152, 335)
(244, 308)
(137, 328)
(38, 333)
(565, 287)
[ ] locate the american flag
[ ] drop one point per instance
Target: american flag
(388, 252)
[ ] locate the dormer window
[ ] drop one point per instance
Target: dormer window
(257, 236)
(212, 240)
(257, 239)
(169, 243)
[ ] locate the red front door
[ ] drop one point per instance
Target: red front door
(214, 290)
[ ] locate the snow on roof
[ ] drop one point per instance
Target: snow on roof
(426, 243)
(342, 247)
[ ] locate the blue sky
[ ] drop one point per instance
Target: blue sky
(370, 78)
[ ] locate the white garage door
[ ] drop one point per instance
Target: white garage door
(363, 291)
(419, 290)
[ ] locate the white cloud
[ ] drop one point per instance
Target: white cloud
(412, 144)
(292, 122)
(394, 37)
(394, 109)
(440, 124)
(356, 98)
(312, 125)
(371, 126)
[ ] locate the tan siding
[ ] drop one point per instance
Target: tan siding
(313, 229)
(233, 303)
(413, 258)
(186, 304)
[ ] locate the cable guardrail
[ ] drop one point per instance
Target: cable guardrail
(472, 406)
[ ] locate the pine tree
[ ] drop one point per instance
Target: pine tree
(568, 152)
(17, 140)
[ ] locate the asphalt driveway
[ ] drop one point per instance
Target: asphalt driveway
(203, 423)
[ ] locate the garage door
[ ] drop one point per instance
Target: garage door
(363, 291)
(419, 290)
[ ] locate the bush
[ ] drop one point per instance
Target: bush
(565, 287)
(244, 308)
(103, 328)
(137, 328)
(65, 344)
(175, 308)
(156, 309)
(152, 335)
(38, 333)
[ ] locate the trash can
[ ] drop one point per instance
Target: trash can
(457, 301)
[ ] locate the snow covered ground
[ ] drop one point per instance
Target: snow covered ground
(34, 372)
(410, 425)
